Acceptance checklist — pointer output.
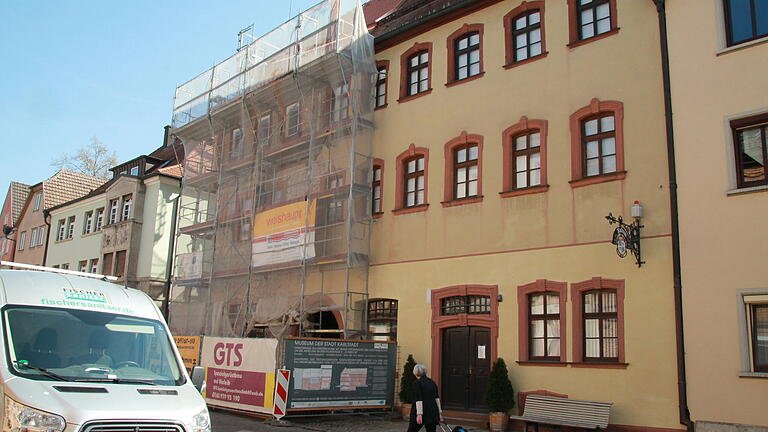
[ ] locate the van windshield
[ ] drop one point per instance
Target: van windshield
(87, 346)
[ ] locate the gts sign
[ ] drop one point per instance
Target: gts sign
(228, 354)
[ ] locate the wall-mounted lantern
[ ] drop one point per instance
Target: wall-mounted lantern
(626, 237)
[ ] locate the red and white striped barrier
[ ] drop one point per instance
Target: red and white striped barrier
(281, 392)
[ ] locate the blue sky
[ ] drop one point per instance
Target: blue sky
(71, 70)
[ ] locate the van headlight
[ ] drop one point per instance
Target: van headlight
(21, 418)
(202, 421)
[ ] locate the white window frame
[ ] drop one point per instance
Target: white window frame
(41, 235)
(82, 266)
(263, 132)
(93, 265)
(38, 200)
(237, 144)
(292, 129)
(32, 238)
(127, 207)
(88, 222)
(22, 240)
(99, 219)
(135, 171)
(71, 227)
(747, 297)
(114, 205)
(61, 229)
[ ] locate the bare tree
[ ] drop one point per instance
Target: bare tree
(94, 159)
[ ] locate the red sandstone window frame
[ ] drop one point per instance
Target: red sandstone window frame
(574, 23)
(595, 108)
(577, 303)
(522, 127)
(451, 45)
(404, 76)
(382, 81)
(524, 292)
(449, 186)
(525, 8)
(377, 164)
(409, 154)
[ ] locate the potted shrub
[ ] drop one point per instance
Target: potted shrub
(499, 396)
(406, 387)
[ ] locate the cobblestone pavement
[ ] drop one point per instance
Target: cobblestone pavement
(228, 422)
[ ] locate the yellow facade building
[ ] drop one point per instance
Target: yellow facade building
(505, 132)
(719, 62)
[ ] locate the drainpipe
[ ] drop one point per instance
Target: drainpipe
(46, 215)
(682, 391)
(169, 260)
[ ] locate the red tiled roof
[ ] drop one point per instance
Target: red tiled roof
(67, 185)
(375, 9)
(414, 11)
(19, 193)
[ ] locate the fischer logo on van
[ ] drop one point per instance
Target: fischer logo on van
(86, 295)
(90, 299)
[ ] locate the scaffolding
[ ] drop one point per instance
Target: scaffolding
(275, 214)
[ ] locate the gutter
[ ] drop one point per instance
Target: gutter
(682, 390)
(171, 254)
(46, 217)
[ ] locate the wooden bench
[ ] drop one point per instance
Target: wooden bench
(564, 412)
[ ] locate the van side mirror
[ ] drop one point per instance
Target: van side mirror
(198, 378)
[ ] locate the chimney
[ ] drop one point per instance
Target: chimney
(166, 134)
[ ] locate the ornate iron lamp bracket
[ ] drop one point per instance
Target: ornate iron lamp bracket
(626, 237)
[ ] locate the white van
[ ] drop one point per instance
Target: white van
(84, 355)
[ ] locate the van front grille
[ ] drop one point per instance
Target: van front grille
(131, 426)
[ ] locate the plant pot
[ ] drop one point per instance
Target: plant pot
(405, 410)
(498, 421)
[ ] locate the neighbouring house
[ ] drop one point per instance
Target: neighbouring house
(33, 228)
(9, 217)
(506, 132)
(718, 53)
(124, 228)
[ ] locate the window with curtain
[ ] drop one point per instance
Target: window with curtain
(414, 182)
(465, 171)
(382, 319)
(601, 340)
(381, 86)
(376, 190)
(750, 137)
(527, 157)
(599, 144)
(418, 73)
(544, 326)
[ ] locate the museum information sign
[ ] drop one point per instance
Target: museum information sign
(329, 373)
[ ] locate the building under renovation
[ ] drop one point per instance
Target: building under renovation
(274, 223)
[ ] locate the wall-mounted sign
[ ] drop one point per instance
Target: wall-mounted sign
(626, 237)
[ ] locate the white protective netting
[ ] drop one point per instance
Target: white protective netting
(275, 216)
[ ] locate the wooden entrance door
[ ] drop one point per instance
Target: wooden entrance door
(466, 365)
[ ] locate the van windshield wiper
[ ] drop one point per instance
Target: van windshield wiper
(25, 364)
(116, 381)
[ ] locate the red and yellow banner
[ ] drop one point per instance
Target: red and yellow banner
(284, 234)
